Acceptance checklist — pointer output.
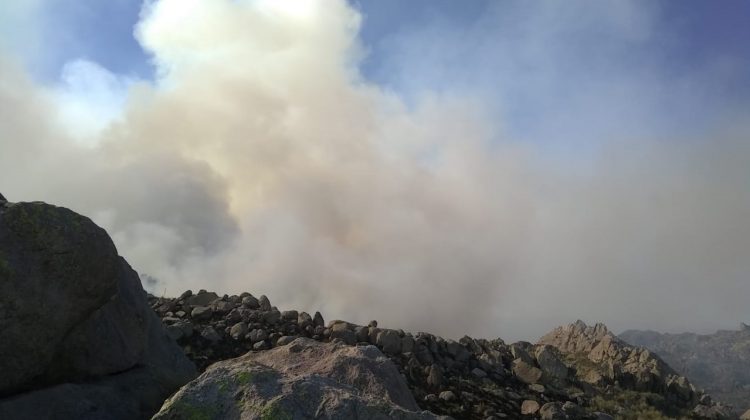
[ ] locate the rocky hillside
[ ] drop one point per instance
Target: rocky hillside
(79, 340)
(574, 372)
(82, 340)
(719, 362)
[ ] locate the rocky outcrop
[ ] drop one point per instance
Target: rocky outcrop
(469, 378)
(599, 358)
(87, 344)
(301, 379)
(718, 362)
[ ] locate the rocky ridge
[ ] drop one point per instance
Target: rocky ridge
(718, 362)
(575, 372)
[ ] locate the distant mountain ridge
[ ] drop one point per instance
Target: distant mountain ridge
(718, 362)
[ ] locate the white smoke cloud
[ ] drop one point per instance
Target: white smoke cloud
(261, 160)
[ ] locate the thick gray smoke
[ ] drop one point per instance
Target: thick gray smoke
(262, 161)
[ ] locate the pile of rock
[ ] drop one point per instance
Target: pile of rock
(469, 378)
(466, 378)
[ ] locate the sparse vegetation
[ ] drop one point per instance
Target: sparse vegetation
(630, 405)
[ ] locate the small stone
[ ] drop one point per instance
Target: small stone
(290, 315)
(250, 302)
(525, 372)
(318, 320)
(180, 314)
(538, 388)
(222, 307)
(201, 313)
(362, 334)
(340, 331)
(168, 320)
(552, 411)
(238, 330)
(210, 334)
(265, 304)
(234, 316)
(201, 299)
(304, 320)
(447, 396)
(257, 335)
(407, 344)
(186, 294)
(181, 329)
(479, 373)
(260, 345)
(529, 407)
(373, 336)
(272, 317)
(389, 341)
(283, 341)
(572, 410)
(519, 352)
(458, 351)
(431, 398)
(435, 376)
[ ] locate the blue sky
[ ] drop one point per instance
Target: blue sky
(622, 64)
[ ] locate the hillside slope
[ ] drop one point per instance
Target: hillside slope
(718, 362)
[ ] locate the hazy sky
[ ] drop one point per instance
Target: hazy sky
(494, 168)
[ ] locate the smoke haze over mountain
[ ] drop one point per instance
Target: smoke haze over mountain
(269, 154)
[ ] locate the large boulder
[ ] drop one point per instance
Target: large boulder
(73, 311)
(304, 379)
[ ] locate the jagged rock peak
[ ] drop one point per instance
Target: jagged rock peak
(2, 198)
(579, 337)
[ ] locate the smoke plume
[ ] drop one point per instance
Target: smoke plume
(262, 160)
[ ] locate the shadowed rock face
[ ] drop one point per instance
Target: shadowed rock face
(302, 379)
(78, 335)
(718, 362)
